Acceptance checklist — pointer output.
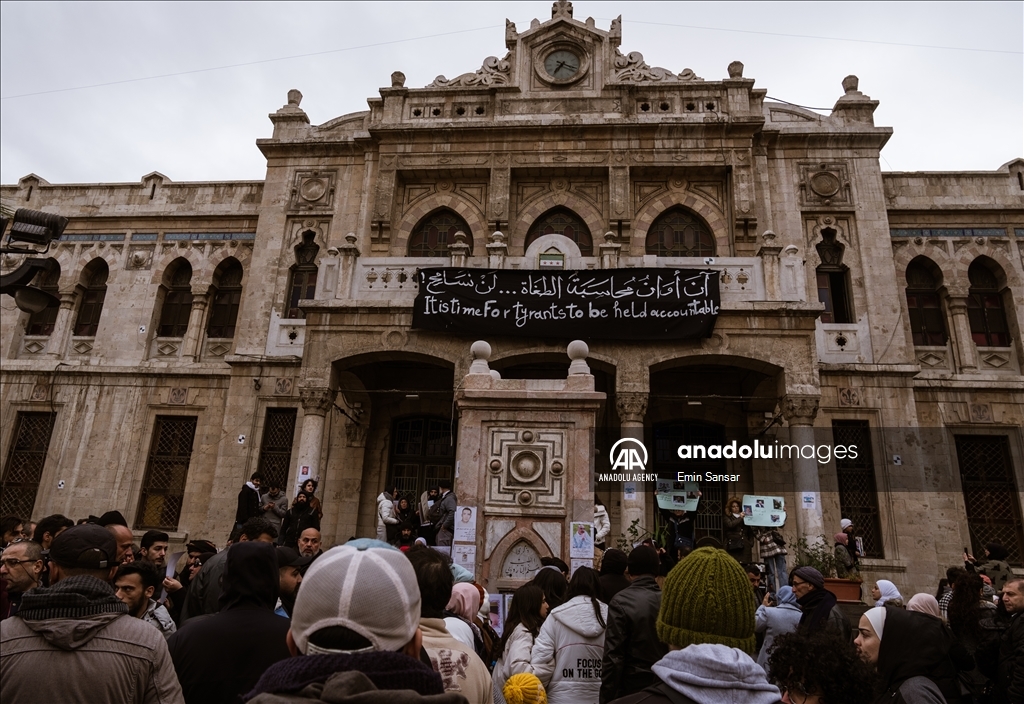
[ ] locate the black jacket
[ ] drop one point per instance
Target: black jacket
(1011, 661)
(248, 504)
(631, 642)
(220, 657)
(299, 518)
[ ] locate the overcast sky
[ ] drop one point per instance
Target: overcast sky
(951, 108)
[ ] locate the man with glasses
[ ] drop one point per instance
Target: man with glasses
(21, 568)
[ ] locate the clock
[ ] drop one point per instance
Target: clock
(562, 64)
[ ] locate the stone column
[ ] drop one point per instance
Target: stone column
(195, 333)
(963, 343)
(769, 255)
(58, 343)
(799, 412)
(632, 406)
(316, 401)
(349, 253)
(497, 250)
(459, 249)
(610, 252)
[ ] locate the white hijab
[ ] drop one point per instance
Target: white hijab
(889, 592)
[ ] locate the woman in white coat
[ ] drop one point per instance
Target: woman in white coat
(386, 513)
(572, 641)
(526, 614)
(602, 526)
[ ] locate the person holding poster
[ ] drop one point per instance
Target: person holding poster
(735, 530)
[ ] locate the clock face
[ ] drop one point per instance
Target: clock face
(562, 64)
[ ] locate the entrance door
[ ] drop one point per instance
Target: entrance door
(422, 453)
(667, 439)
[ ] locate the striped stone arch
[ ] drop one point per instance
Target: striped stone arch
(167, 258)
(242, 255)
(435, 201)
(592, 217)
(649, 212)
(937, 255)
(963, 259)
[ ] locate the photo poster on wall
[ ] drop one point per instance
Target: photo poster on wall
(581, 544)
(465, 524)
(764, 511)
(497, 615)
(678, 496)
(465, 556)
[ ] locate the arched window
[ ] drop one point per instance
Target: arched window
(227, 294)
(177, 304)
(42, 323)
(927, 322)
(94, 283)
(562, 221)
(433, 234)
(985, 308)
(302, 280)
(679, 233)
(833, 280)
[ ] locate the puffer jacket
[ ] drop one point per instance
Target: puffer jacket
(602, 527)
(107, 657)
(385, 515)
(515, 660)
(571, 640)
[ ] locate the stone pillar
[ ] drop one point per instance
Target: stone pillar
(316, 401)
(348, 253)
(769, 255)
(58, 343)
(459, 249)
(632, 406)
(799, 412)
(610, 252)
(963, 343)
(194, 334)
(497, 250)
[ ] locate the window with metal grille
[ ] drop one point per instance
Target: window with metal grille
(433, 234)
(25, 460)
(276, 446)
(680, 233)
(163, 487)
(833, 279)
(42, 323)
(89, 310)
(562, 221)
(985, 310)
(227, 294)
(858, 495)
(302, 279)
(422, 453)
(927, 321)
(177, 306)
(991, 497)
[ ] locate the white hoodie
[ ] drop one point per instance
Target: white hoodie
(716, 674)
(385, 515)
(568, 652)
(601, 525)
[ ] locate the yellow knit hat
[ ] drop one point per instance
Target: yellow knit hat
(524, 688)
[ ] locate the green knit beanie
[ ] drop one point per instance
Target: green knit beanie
(707, 598)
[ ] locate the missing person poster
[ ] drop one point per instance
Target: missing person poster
(465, 524)
(764, 511)
(581, 545)
(677, 496)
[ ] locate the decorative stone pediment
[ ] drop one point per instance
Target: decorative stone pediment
(494, 72)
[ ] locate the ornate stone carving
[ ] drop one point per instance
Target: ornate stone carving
(494, 72)
(313, 190)
(632, 68)
(981, 413)
(283, 386)
(849, 397)
(800, 410)
(140, 257)
(40, 392)
(316, 401)
(521, 561)
(521, 468)
(178, 396)
(632, 406)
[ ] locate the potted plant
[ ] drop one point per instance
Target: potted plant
(819, 556)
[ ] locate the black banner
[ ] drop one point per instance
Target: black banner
(627, 304)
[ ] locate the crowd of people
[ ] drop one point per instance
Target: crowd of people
(273, 618)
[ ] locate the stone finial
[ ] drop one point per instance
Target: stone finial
(398, 79)
(481, 352)
(294, 97)
(497, 237)
(578, 352)
(609, 237)
(851, 84)
(496, 375)
(769, 238)
(351, 238)
(561, 8)
(736, 70)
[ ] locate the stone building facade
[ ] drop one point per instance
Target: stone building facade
(209, 330)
